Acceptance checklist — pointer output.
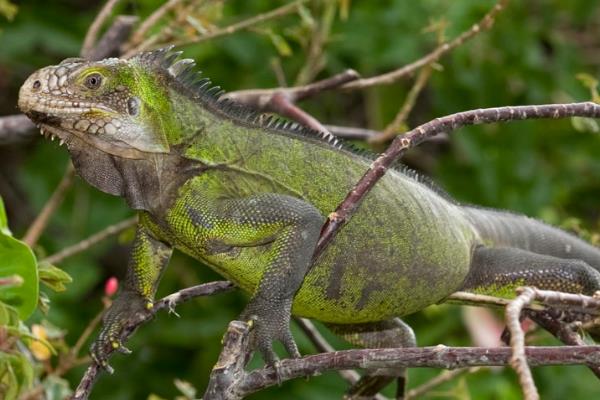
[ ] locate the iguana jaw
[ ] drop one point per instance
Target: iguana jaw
(66, 136)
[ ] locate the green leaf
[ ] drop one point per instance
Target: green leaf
(3, 220)
(8, 9)
(16, 258)
(53, 277)
(16, 375)
(585, 124)
(8, 315)
(282, 46)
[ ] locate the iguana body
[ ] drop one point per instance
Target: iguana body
(248, 198)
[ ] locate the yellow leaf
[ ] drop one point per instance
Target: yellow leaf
(39, 350)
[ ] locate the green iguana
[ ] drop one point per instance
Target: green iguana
(248, 195)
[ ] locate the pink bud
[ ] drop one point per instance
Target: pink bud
(111, 286)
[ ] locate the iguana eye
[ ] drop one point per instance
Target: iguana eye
(93, 81)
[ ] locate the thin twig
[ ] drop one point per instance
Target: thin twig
(109, 44)
(396, 125)
(169, 303)
(231, 29)
(323, 346)
(138, 36)
(92, 33)
(351, 132)
(90, 241)
(320, 33)
(561, 331)
(385, 79)
(518, 359)
(445, 124)
(436, 381)
(261, 98)
(41, 221)
(283, 106)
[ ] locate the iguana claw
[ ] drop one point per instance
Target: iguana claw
(127, 307)
(269, 325)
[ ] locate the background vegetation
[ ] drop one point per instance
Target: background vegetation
(535, 53)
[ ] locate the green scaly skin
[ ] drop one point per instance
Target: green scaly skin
(248, 198)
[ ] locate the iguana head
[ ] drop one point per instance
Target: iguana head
(116, 117)
(115, 106)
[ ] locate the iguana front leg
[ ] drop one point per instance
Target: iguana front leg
(284, 230)
(148, 259)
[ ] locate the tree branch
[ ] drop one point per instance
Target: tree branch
(229, 382)
(445, 124)
(39, 224)
(518, 360)
(169, 303)
(90, 241)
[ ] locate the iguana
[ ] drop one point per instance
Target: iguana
(247, 195)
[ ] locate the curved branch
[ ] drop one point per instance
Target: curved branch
(445, 124)
(169, 303)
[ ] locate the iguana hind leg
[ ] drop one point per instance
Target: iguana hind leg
(385, 334)
(498, 271)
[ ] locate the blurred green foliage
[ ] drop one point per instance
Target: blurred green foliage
(547, 169)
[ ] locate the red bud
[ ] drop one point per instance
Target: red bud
(111, 286)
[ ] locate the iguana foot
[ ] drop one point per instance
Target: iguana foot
(270, 323)
(125, 309)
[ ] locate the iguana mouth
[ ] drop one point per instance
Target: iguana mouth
(66, 136)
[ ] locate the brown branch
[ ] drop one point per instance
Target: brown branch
(518, 359)
(228, 381)
(445, 124)
(351, 132)
(90, 241)
(169, 303)
(321, 344)
(39, 224)
(415, 357)
(261, 98)
(92, 33)
(385, 79)
(560, 330)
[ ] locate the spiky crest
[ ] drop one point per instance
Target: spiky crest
(199, 88)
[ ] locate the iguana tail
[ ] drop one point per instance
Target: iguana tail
(504, 229)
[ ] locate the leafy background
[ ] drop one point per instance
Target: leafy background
(545, 169)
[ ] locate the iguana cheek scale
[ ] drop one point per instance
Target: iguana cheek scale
(247, 195)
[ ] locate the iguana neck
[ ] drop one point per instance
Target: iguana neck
(145, 184)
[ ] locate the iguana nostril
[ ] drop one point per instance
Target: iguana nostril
(37, 84)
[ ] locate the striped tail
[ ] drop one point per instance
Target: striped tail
(504, 229)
